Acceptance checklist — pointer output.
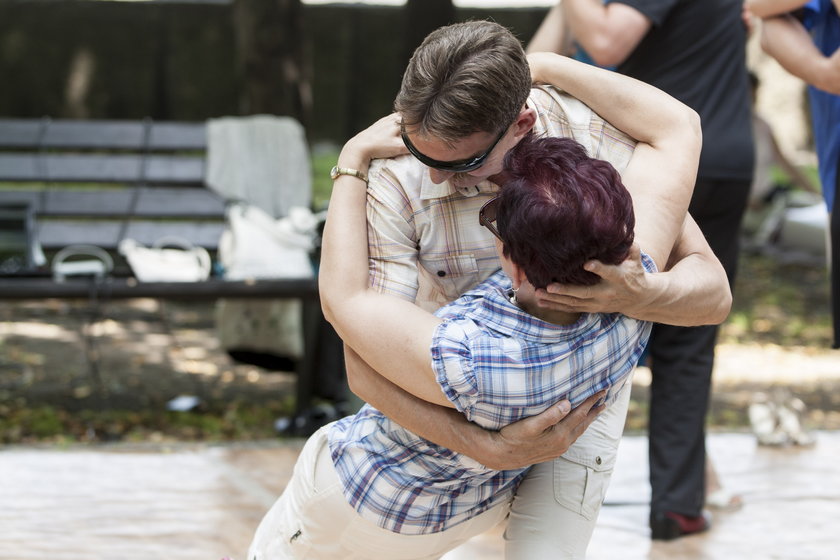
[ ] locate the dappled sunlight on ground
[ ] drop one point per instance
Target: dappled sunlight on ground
(773, 363)
(38, 331)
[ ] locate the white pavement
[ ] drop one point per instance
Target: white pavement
(202, 502)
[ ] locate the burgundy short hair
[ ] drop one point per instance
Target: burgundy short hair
(560, 208)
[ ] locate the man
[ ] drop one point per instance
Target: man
(466, 100)
(695, 51)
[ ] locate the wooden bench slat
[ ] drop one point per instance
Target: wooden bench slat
(18, 133)
(114, 135)
(180, 202)
(156, 201)
(112, 203)
(13, 196)
(102, 168)
(179, 136)
(55, 234)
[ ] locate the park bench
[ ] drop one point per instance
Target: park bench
(94, 183)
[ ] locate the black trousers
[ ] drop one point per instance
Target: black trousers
(681, 366)
(835, 261)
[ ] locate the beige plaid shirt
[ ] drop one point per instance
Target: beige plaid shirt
(426, 244)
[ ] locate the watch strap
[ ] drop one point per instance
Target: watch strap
(338, 171)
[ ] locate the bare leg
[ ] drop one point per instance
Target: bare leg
(718, 497)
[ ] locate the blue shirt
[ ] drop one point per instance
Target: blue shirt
(822, 20)
(497, 364)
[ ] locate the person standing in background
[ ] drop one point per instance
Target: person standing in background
(807, 44)
(769, 154)
(696, 52)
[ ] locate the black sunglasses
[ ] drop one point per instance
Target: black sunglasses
(487, 216)
(459, 166)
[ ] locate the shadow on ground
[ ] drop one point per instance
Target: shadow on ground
(148, 353)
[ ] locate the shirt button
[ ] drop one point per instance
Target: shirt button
(441, 273)
(597, 460)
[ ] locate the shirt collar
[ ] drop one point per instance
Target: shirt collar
(498, 313)
(429, 190)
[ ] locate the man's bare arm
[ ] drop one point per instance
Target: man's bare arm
(689, 293)
(700, 274)
(692, 284)
(533, 440)
(660, 177)
(695, 282)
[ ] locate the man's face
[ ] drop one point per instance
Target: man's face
(439, 156)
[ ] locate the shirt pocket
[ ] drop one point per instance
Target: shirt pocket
(452, 275)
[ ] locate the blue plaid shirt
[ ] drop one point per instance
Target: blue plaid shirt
(497, 364)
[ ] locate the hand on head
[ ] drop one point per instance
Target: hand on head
(379, 140)
(620, 290)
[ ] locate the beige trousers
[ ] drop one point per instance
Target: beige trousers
(312, 520)
(555, 508)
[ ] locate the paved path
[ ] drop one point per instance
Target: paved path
(200, 502)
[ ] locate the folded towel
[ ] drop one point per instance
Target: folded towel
(262, 160)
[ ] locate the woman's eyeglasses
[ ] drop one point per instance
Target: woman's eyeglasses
(459, 166)
(487, 216)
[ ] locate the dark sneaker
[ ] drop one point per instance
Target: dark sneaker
(667, 526)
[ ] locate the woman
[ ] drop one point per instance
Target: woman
(364, 487)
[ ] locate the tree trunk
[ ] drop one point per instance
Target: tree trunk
(423, 17)
(271, 53)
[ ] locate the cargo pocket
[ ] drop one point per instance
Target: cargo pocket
(580, 485)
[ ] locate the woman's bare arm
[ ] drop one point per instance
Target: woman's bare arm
(660, 177)
(670, 128)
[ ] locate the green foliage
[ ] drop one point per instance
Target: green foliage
(43, 422)
(322, 161)
(779, 304)
(214, 421)
(810, 171)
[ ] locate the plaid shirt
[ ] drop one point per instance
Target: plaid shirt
(412, 221)
(497, 364)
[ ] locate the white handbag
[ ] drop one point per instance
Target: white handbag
(170, 259)
(255, 245)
